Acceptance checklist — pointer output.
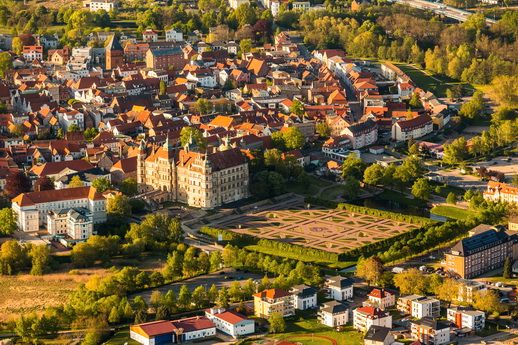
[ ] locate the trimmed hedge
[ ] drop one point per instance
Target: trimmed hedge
(229, 236)
(371, 211)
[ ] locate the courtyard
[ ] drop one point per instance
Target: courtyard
(291, 220)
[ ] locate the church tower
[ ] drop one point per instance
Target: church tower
(114, 53)
(141, 168)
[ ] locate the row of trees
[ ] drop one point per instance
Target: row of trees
(15, 258)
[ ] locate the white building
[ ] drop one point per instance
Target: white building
(236, 3)
(203, 79)
(69, 117)
(301, 5)
(339, 288)
(430, 331)
(230, 322)
(304, 297)
(150, 35)
(382, 298)
(31, 53)
(466, 318)
(77, 223)
(193, 328)
(501, 192)
(96, 5)
(275, 6)
(31, 209)
(412, 129)
(173, 332)
(334, 313)
(365, 317)
(362, 134)
(171, 35)
(426, 307)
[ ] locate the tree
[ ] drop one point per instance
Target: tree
(73, 128)
(16, 182)
(184, 297)
(203, 106)
(6, 63)
(245, 45)
(448, 291)
(505, 89)
(456, 151)
(8, 223)
(415, 101)
(43, 183)
(266, 184)
(293, 138)
(102, 184)
(216, 261)
(508, 271)
(474, 107)
(410, 170)
(128, 186)
(118, 206)
(351, 188)
(75, 182)
(222, 300)
(373, 175)
(162, 88)
(17, 45)
(297, 108)
(83, 255)
(369, 269)
(412, 281)
(192, 135)
(421, 189)
(451, 198)
(323, 129)
(352, 166)
(277, 323)
(90, 133)
(13, 258)
(40, 257)
(488, 301)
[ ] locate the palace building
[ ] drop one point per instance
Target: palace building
(204, 180)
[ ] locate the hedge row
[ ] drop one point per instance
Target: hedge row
(228, 236)
(372, 211)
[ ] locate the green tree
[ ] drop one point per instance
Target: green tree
(351, 188)
(83, 255)
(7, 222)
(474, 107)
(184, 297)
(245, 45)
(421, 189)
(191, 135)
(451, 198)
(456, 151)
(373, 175)
(415, 101)
(369, 269)
(75, 182)
(13, 257)
(40, 258)
(102, 184)
(162, 88)
(508, 271)
(409, 170)
(277, 323)
(90, 133)
(128, 186)
(412, 281)
(203, 106)
(352, 166)
(199, 297)
(6, 63)
(73, 128)
(17, 45)
(118, 206)
(297, 108)
(488, 301)
(293, 138)
(323, 129)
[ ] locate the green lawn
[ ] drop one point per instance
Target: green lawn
(453, 212)
(307, 330)
(120, 338)
(445, 189)
(390, 195)
(310, 189)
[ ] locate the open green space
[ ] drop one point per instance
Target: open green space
(311, 188)
(444, 189)
(453, 212)
(120, 338)
(307, 331)
(400, 198)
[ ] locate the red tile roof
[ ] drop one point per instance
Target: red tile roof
(56, 167)
(193, 324)
(231, 317)
(33, 198)
(155, 328)
(272, 294)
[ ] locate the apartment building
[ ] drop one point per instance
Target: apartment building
(339, 288)
(365, 317)
(32, 208)
(414, 128)
(404, 303)
(304, 297)
(466, 318)
(77, 223)
(501, 192)
(165, 58)
(426, 307)
(468, 289)
(273, 301)
(334, 313)
(377, 335)
(171, 35)
(382, 298)
(96, 5)
(430, 331)
(31, 53)
(482, 252)
(362, 134)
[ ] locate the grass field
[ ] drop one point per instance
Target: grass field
(121, 338)
(444, 190)
(452, 212)
(310, 189)
(307, 332)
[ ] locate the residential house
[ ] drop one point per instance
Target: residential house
(501, 192)
(362, 134)
(31, 53)
(378, 335)
(382, 298)
(414, 128)
(304, 297)
(365, 317)
(150, 35)
(334, 313)
(96, 5)
(230, 322)
(475, 320)
(426, 307)
(430, 331)
(171, 35)
(339, 288)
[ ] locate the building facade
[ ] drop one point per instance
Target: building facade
(466, 318)
(77, 223)
(382, 298)
(430, 331)
(204, 180)
(365, 317)
(304, 297)
(339, 288)
(230, 322)
(334, 314)
(426, 307)
(412, 129)
(273, 301)
(31, 209)
(501, 192)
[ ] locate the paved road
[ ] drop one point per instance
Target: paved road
(206, 280)
(442, 9)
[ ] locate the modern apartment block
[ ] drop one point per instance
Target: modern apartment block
(426, 307)
(482, 252)
(466, 318)
(273, 301)
(339, 288)
(430, 331)
(365, 317)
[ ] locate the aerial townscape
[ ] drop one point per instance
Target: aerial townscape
(259, 172)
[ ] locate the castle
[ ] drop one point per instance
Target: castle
(204, 180)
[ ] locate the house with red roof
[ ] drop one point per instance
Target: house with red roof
(271, 301)
(230, 322)
(382, 298)
(172, 332)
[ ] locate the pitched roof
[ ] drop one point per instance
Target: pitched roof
(377, 333)
(272, 294)
(231, 317)
(113, 44)
(126, 165)
(380, 293)
(152, 329)
(335, 307)
(193, 324)
(52, 168)
(479, 242)
(32, 198)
